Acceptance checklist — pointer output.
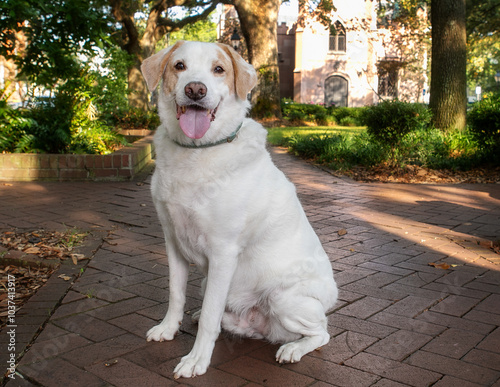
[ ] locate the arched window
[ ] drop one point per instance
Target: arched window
(337, 37)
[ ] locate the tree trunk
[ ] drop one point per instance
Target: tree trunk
(448, 99)
(138, 92)
(259, 23)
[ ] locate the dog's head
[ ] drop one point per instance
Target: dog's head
(201, 82)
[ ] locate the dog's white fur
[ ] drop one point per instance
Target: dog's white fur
(232, 213)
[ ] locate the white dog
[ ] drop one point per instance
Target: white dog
(225, 207)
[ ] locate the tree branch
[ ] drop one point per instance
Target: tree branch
(170, 25)
(127, 23)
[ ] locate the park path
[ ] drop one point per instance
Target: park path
(399, 321)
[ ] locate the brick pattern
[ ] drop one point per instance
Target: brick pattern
(120, 165)
(398, 322)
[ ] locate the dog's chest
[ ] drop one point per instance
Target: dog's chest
(195, 211)
(190, 234)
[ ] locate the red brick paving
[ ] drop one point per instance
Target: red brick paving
(398, 322)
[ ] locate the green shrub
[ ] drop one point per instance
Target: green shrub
(67, 123)
(95, 139)
(389, 121)
(14, 129)
(303, 112)
(339, 151)
(52, 130)
(348, 121)
(484, 123)
(130, 118)
(346, 116)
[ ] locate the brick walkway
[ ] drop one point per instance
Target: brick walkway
(398, 322)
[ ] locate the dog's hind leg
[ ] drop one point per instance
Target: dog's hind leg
(305, 317)
(178, 276)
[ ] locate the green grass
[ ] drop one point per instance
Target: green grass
(281, 136)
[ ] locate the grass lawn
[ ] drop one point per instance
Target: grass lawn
(279, 136)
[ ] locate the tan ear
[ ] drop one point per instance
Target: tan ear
(153, 67)
(245, 77)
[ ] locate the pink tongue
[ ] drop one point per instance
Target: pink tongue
(194, 123)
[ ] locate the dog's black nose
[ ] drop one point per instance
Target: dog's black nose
(195, 90)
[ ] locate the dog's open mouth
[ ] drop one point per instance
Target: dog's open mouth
(195, 120)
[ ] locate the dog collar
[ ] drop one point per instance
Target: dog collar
(230, 138)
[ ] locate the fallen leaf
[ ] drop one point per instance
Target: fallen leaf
(64, 277)
(342, 232)
(32, 250)
(443, 265)
(77, 257)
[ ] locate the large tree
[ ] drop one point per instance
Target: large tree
(448, 64)
(259, 23)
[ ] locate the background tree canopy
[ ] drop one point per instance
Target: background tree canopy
(62, 32)
(56, 31)
(483, 44)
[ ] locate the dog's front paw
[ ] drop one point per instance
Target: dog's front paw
(191, 365)
(161, 333)
(289, 353)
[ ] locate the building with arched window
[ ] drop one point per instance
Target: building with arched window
(359, 59)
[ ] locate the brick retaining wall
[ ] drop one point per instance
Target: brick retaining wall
(123, 164)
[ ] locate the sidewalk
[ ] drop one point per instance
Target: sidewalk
(399, 321)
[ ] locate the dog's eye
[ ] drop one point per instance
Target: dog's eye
(218, 70)
(180, 66)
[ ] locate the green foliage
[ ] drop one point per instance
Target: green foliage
(302, 112)
(484, 123)
(67, 123)
(483, 45)
(346, 116)
(319, 114)
(388, 122)
(338, 151)
(56, 31)
(131, 118)
(14, 129)
(95, 138)
(110, 88)
(433, 148)
(263, 107)
(202, 31)
(51, 131)
(266, 104)
(341, 150)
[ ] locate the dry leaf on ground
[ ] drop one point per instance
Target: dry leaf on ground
(443, 265)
